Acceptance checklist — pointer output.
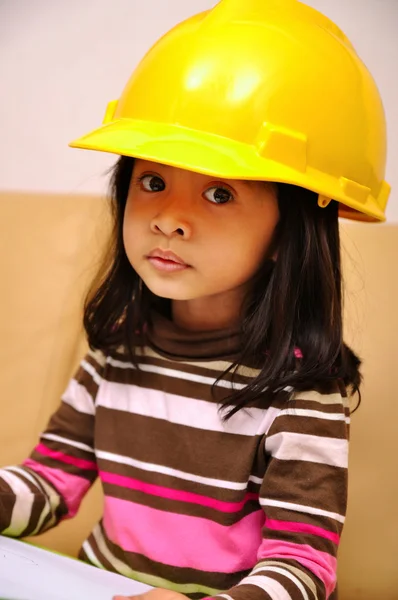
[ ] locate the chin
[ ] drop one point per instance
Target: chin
(171, 292)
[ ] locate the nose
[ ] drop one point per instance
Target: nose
(171, 220)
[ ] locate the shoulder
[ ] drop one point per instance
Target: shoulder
(332, 394)
(316, 411)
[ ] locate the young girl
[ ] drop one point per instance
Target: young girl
(213, 404)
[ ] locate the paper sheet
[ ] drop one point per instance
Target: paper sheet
(31, 573)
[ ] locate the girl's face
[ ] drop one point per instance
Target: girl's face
(191, 236)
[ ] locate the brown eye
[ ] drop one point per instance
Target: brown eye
(152, 183)
(218, 195)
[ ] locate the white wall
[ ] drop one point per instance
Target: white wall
(61, 62)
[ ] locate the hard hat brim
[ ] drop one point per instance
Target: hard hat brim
(209, 154)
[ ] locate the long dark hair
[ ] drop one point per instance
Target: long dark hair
(292, 329)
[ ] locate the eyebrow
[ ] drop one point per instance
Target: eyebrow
(247, 182)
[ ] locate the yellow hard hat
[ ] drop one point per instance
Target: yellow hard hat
(266, 90)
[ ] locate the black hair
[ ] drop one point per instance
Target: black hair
(292, 324)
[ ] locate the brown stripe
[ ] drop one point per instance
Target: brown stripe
(247, 592)
(318, 398)
(213, 366)
(31, 486)
(281, 514)
(253, 487)
(101, 558)
(177, 446)
(320, 588)
(40, 502)
(177, 575)
(316, 542)
(284, 581)
(7, 502)
(179, 507)
(336, 408)
(46, 523)
(82, 554)
(334, 386)
(69, 449)
(206, 369)
(85, 379)
(171, 385)
(175, 483)
(312, 484)
(69, 423)
(61, 509)
(310, 426)
(51, 463)
(35, 514)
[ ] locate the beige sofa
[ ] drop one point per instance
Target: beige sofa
(48, 244)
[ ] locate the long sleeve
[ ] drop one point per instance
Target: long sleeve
(50, 484)
(303, 495)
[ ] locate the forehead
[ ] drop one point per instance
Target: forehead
(249, 184)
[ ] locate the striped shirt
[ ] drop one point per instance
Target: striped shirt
(249, 508)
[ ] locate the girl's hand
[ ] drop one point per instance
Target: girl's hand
(157, 594)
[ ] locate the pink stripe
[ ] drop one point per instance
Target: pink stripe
(180, 495)
(302, 528)
(199, 543)
(71, 487)
(80, 463)
(322, 564)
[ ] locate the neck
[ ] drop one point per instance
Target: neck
(208, 313)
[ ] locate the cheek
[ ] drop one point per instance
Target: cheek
(238, 252)
(133, 223)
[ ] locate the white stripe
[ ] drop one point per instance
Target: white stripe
(143, 578)
(53, 497)
(54, 501)
(269, 585)
(285, 573)
(78, 397)
(297, 572)
(212, 365)
(91, 370)
(316, 414)
(299, 446)
(310, 510)
(255, 479)
(119, 566)
(313, 396)
(176, 374)
(98, 356)
(34, 480)
(183, 375)
(63, 440)
(22, 508)
(91, 556)
(138, 464)
(181, 410)
(225, 596)
(20, 471)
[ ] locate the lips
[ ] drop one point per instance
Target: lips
(167, 255)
